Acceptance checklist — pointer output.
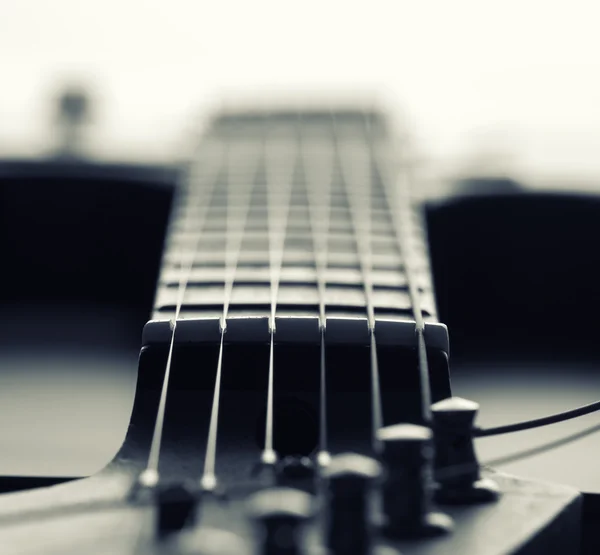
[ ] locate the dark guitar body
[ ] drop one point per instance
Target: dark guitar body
(531, 258)
(78, 237)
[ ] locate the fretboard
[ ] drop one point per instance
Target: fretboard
(296, 214)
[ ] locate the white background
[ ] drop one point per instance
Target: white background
(515, 80)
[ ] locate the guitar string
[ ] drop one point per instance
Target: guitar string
(455, 470)
(239, 201)
(150, 476)
(397, 186)
(318, 176)
(538, 422)
(239, 192)
(280, 176)
(356, 176)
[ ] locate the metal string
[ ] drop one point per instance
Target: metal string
(280, 166)
(279, 170)
(397, 186)
(318, 168)
(194, 211)
(355, 164)
(242, 166)
(538, 422)
(458, 469)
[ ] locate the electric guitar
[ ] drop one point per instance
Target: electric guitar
(293, 392)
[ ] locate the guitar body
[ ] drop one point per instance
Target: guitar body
(232, 374)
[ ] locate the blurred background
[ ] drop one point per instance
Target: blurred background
(100, 102)
(514, 80)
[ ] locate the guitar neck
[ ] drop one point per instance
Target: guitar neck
(294, 214)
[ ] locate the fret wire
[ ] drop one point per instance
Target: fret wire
(377, 414)
(356, 179)
(277, 233)
(397, 187)
(269, 456)
(315, 181)
(150, 475)
(236, 222)
(208, 481)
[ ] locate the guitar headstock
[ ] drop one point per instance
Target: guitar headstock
(95, 515)
(345, 504)
(285, 386)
